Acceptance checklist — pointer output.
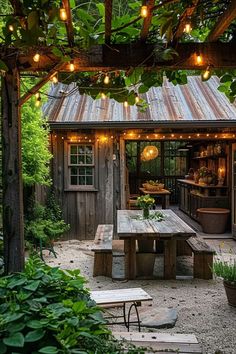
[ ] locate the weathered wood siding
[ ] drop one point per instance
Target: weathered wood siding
(84, 210)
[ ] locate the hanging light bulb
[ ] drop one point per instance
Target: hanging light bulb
(206, 74)
(38, 101)
(36, 57)
(63, 14)
(144, 11)
(11, 28)
(187, 27)
(55, 79)
(103, 96)
(72, 65)
(137, 99)
(199, 59)
(126, 104)
(106, 79)
(37, 95)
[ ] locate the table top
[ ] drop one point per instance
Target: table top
(160, 192)
(106, 297)
(171, 226)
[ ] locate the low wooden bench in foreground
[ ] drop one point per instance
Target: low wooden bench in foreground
(133, 296)
(171, 343)
(203, 257)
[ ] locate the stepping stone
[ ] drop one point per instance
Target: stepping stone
(160, 318)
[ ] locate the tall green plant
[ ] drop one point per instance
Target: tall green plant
(35, 146)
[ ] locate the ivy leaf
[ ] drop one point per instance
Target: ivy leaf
(15, 340)
(233, 86)
(34, 336)
(225, 78)
(35, 324)
(169, 53)
(49, 350)
(101, 9)
(143, 89)
(33, 286)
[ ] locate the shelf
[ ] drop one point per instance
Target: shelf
(213, 157)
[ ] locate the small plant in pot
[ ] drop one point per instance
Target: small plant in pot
(227, 271)
(145, 202)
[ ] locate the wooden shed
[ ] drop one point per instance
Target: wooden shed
(97, 146)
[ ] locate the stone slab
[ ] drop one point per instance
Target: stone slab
(160, 318)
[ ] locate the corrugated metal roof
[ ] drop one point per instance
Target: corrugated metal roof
(195, 101)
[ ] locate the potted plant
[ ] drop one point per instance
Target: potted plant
(227, 271)
(145, 202)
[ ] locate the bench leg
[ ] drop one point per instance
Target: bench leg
(102, 264)
(202, 267)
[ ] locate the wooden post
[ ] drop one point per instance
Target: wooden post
(12, 174)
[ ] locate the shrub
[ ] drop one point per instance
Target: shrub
(47, 310)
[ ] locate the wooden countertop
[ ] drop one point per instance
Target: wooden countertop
(192, 183)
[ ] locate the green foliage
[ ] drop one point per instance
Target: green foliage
(47, 310)
(145, 201)
(45, 222)
(35, 146)
(225, 270)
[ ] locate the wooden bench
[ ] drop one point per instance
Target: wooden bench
(103, 250)
(164, 342)
(203, 258)
(117, 297)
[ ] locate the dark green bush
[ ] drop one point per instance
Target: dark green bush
(47, 310)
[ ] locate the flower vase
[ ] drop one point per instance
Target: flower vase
(145, 213)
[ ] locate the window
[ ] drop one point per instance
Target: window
(81, 165)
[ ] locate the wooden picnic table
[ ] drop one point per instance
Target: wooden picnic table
(163, 193)
(171, 229)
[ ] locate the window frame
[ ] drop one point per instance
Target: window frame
(68, 166)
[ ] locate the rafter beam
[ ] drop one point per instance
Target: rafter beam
(124, 56)
(223, 22)
(108, 18)
(148, 20)
(188, 12)
(40, 84)
(69, 25)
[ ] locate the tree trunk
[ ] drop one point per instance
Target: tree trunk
(13, 230)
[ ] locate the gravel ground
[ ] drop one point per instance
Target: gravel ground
(201, 304)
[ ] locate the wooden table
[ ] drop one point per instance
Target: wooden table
(171, 229)
(163, 193)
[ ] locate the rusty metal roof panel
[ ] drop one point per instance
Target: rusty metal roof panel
(195, 101)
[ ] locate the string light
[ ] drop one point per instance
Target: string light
(11, 28)
(72, 65)
(126, 104)
(199, 59)
(137, 99)
(144, 11)
(38, 100)
(36, 57)
(187, 27)
(106, 79)
(63, 14)
(54, 79)
(37, 95)
(103, 96)
(206, 74)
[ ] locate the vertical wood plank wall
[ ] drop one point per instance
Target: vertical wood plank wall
(84, 210)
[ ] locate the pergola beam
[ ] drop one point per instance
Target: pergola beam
(223, 22)
(108, 18)
(40, 84)
(103, 57)
(148, 20)
(69, 25)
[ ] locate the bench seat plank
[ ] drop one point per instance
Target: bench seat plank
(105, 297)
(174, 343)
(198, 245)
(102, 249)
